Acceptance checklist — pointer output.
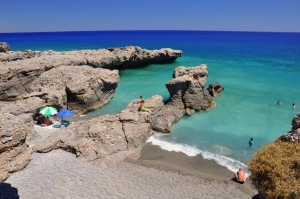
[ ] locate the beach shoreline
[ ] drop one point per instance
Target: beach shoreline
(177, 162)
(155, 174)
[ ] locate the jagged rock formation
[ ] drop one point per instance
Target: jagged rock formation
(68, 79)
(214, 89)
(187, 89)
(108, 139)
(294, 134)
(4, 47)
(14, 151)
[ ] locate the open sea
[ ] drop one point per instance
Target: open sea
(256, 69)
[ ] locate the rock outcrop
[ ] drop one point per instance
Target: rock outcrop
(111, 58)
(4, 47)
(14, 151)
(187, 89)
(76, 79)
(214, 89)
(110, 138)
(294, 134)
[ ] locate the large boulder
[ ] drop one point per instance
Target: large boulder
(294, 134)
(215, 89)
(187, 89)
(79, 88)
(4, 47)
(14, 151)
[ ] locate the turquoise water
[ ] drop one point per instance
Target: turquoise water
(256, 70)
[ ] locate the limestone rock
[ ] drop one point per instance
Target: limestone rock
(296, 122)
(165, 118)
(294, 134)
(67, 79)
(215, 89)
(4, 47)
(14, 152)
(187, 89)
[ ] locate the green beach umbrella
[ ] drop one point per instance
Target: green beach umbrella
(48, 110)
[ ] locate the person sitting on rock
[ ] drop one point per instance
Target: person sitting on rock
(47, 122)
(143, 109)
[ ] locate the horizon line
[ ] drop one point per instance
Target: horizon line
(152, 30)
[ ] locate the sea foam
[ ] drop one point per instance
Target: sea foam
(231, 164)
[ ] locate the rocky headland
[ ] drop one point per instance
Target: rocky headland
(78, 80)
(69, 80)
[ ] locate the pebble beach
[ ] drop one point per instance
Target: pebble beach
(155, 174)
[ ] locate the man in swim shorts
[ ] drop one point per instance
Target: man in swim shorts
(143, 109)
(240, 176)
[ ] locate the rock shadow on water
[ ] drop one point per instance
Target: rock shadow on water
(8, 192)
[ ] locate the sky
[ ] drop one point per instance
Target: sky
(93, 15)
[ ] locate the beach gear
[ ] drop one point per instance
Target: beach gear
(65, 113)
(48, 110)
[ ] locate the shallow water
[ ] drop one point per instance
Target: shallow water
(256, 70)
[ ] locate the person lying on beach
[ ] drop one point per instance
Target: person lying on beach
(143, 109)
(240, 176)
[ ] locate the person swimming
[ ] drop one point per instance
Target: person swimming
(278, 102)
(294, 105)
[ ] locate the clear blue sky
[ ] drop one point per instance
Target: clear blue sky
(79, 15)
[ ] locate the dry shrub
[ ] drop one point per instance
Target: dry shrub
(276, 170)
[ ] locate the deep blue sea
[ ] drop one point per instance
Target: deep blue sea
(255, 68)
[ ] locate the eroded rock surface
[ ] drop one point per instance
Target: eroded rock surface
(187, 89)
(214, 89)
(4, 47)
(294, 134)
(102, 140)
(14, 151)
(76, 79)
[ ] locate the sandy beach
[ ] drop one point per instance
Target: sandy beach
(156, 174)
